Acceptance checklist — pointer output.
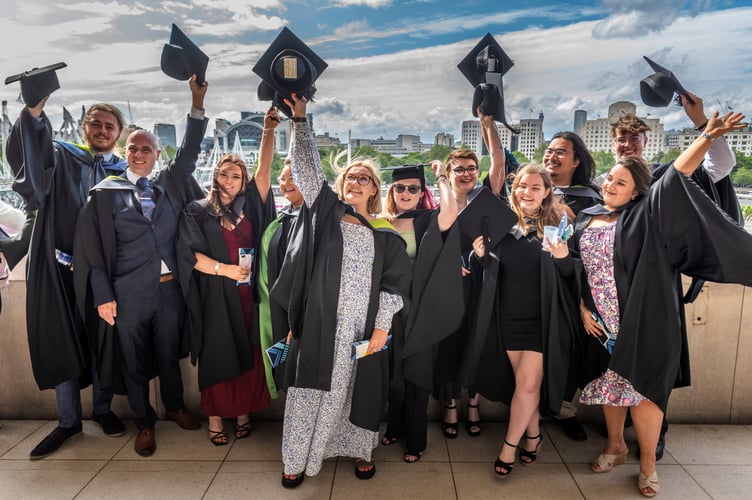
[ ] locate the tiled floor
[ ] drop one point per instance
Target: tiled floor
(702, 461)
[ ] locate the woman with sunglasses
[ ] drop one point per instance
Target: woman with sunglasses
(436, 305)
(342, 281)
(217, 241)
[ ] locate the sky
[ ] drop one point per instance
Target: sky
(392, 66)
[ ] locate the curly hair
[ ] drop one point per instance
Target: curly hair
(374, 202)
(549, 213)
(229, 159)
(107, 108)
(628, 124)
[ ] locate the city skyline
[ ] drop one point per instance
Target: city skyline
(392, 65)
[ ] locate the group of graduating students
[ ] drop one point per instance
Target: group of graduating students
(464, 293)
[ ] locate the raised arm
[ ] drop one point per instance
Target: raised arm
(691, 157)
(307, 172)
(447, 201)
(719, 160)
(266, 154)
(185, 159)
(492, 140)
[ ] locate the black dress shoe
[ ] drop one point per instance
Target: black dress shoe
(572, 428)
(54, 440)
(110, 423)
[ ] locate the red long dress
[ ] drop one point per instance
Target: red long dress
(247, 392)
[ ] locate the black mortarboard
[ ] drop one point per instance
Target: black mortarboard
(658, 89)
(181, 58)
(288, 66)
(485, 214)
(402, 172)
(483, 67)
(37, 83)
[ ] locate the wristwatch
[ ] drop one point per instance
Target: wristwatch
(216, 268)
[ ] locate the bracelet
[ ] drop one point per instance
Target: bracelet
(299, 119)
(441, 178)
(216, 268)
(707, 136)
(268, 129)
(701, 127)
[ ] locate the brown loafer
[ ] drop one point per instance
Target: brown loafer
(184, 419)
(145, 443)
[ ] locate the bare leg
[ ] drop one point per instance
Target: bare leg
(528, 376)
(615, 417)
(647, 418)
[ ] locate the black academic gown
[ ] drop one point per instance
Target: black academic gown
(96, 244)
(219, 339)
(437, 304)
(676, 228)
(486, 364)
(579, 197)
(48, 177)
(308, 287)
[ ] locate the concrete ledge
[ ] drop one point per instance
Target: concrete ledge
(720, 334)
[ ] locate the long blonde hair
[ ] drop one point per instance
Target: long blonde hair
(374, 202)
(550, 211)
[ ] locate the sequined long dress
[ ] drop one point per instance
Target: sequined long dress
(316, 422)
(597, 244)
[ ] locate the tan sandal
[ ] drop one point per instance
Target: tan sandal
(650, 482)
(606, 462)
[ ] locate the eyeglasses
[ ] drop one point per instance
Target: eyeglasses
(363, 180)
(284, 180)
(633, 139)
(463, 170)
(400, 188)
(561, 153)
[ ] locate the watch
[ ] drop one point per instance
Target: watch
(216, 268)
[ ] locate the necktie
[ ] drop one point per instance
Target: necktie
(146, 197)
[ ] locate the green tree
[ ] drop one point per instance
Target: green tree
(742, 177)
(743, 161)
(604, 160)
(667, 157)
(168, 153)
(539, 152)
(521, 158)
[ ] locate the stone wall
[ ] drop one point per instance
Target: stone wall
(720, 335)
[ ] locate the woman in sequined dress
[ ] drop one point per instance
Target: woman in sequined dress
(632, 249)
(342, 281)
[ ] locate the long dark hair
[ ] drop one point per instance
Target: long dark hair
(585, 171)
(214, 197)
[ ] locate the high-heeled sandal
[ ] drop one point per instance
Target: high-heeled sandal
(607, 462)
(648, 481)
(446, 427)
(472, 425)
(388, 441)
(506, 466)
(218, 438)
(528, 457)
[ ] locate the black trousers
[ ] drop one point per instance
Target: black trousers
(408, 418)
(149, 332)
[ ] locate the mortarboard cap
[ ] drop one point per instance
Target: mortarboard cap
(483, 67)
(38, 83)
(288, 66)
(485, 214)
(402, 172)
(181, 58)
(658, 89)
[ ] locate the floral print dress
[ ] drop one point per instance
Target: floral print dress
(597, 251)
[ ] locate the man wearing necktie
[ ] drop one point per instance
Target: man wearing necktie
(125, 257)
(53, 177)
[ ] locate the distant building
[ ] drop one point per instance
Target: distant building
(580, 117)
(444, 139)
(672, 138)
(527, 141)
(165, 133)
(739, 140)
(597, 133)
(326, 141)
(247, 133)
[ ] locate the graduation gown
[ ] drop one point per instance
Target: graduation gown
(308, 288)
(218, 337)
(676, 228)
(48, 177)
(437, 303)
(486, 364)
(273, 325)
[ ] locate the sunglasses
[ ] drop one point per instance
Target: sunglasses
(463, 170)
(400, 188)
(363, 180)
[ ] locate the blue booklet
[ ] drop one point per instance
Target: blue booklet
(360, 348)
(278, 352)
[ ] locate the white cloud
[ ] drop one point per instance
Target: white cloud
(368, 3)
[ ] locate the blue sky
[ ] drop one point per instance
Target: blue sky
(392, 65)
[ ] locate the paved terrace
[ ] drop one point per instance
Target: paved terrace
(701, 462)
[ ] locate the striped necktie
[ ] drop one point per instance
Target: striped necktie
(146, 197)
